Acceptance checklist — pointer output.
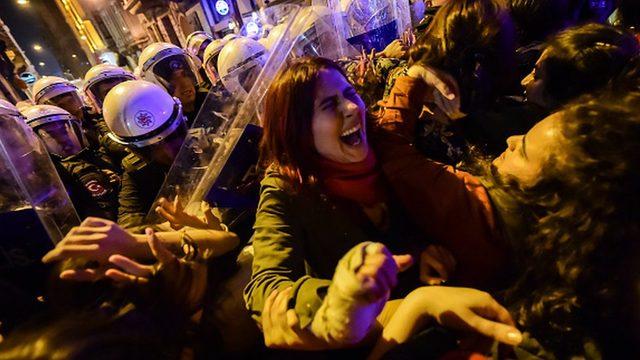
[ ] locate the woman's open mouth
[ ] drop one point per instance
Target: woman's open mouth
(352, 136)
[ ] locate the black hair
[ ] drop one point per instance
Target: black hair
(583, 59)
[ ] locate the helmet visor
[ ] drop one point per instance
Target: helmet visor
(61, 138)
(98, 91)
(174, 70)
(69, 101)
(211, 70)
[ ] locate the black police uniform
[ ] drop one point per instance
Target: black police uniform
(92, 181)
(141, 183)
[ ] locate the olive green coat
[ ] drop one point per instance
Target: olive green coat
(299, 239)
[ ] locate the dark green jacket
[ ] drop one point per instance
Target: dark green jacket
(141, 183)
(97, 132)
(92, 181)
(299, 239)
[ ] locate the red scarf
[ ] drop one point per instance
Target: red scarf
(359, 182)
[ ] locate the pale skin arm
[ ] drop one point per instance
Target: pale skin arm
(214, 241)
(462, 309)
(97, 239)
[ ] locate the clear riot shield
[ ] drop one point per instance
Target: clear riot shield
(35, 209)
(373, 24)
(218, 160)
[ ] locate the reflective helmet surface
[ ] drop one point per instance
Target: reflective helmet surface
(210, 61)
(140, 113)
(159, 60)
(49, 87)
(240, 63)
(57, 128)
(196, 43)
(97, 75)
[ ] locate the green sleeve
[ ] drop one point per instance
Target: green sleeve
(279, 259)
(131, 213)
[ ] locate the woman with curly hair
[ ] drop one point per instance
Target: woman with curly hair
(564, 196)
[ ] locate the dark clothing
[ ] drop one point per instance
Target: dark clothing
(450, 206)
(92, 182)
(299, 239)
(483, 133)
(96, 131)
(201, 96)
(488, 132)
(141, 183)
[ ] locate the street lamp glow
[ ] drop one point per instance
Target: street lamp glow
(37, 47)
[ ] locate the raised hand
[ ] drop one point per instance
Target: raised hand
(174, 213)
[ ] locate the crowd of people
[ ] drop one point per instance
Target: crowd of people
(467, 192)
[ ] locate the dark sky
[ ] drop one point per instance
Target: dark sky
(40, 22)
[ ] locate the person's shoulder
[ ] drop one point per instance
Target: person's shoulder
(132, 163)
(273, 180)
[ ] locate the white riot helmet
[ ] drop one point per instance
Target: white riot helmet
(210, 61)
(240, 63)
(229, 37)
(49, 87)
(274, 35)
(60, 131)
(197, 42)
(102, 78)
(160, 60)
(140, 113)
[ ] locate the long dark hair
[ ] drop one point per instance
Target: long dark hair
(474, 41)
(287, 140)
(578, 258)
(583, 59)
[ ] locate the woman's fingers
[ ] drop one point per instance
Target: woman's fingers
(131, 266)
(502, 332)
(403, 262)
(266, 313)
(444, 256)
(429, 265)
(80, 275)
(169, 216)
(124, 278)
(164, 256)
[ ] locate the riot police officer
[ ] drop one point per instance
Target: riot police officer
(197, 42)
(98, 81)
(145, 118)
(89, 175)
(171, 67)
(56, 91)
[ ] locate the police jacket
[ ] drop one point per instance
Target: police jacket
(92, 181)
(96, 131)
(141, 183)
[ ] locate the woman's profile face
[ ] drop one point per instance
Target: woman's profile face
(534, 84)
(527, 155)
(338, 122)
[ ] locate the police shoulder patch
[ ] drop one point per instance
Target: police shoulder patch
(95, 188)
